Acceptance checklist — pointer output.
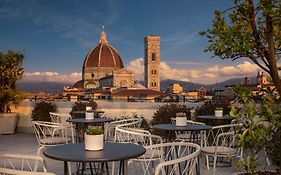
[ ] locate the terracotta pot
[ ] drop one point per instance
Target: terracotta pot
(181, 121)
(93, 142)
(8, 123)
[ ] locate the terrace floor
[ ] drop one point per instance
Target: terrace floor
(22, 143)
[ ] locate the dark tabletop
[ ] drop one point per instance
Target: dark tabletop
(83, 120)
(83, 112)
(188, 127)
(111, 152)
(212, 117)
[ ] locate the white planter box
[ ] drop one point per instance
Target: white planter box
(89, 115)
(181, 121)
(93, 142)
(8, 123)
(219, 113)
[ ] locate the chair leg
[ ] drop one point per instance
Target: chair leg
(38, 154)
(214, 165)
(69, 168)
(207, 161)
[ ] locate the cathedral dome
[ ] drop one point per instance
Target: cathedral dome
(103, 55)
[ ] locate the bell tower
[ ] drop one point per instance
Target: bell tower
(152, 62)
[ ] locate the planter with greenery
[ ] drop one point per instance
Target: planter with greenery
(11, 70)
(165, 113)
(261, 123)
(81, 106)
(41, 111)
(94, 138)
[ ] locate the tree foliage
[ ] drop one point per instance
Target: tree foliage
(250, 29)
(11, 70)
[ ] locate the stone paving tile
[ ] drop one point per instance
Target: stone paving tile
(21, 143)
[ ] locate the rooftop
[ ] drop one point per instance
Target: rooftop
(22, 143)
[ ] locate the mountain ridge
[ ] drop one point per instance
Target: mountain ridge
(57, 87)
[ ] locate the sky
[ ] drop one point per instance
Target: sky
(56, 35)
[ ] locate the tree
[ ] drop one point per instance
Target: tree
(11, 70)
(250, 29)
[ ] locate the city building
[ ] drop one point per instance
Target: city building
(152, 62)
(104, 75)
(175, 88)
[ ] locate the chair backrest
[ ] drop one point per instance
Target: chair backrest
(60, 118)
(180, 158)
(109, 129)
(45, 130)
(126, 134)
(21, 164)
(213, 134)
(7, 171)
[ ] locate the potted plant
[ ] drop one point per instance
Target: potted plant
(94, 138)
(181, 119)
(219, 112)
(260, 122)
(11, 70)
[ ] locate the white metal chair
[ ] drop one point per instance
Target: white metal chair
(186, 136)
(50, 134)
(125, 134)
(22, 164)
(220, 143)
(180, 158)
(109, 128)
(61, 118)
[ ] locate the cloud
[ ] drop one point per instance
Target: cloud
(51, 77)
(211, 74)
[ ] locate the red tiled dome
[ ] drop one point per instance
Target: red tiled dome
(103, 55)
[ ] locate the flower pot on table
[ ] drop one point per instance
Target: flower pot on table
(93, 142)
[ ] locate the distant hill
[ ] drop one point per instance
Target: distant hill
(186, 85)
(57, 87)
(221, 85)
(48, 87)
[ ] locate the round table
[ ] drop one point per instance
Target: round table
(213, 120)
(89, 121)
(194, 129)
(111, 152)
(96, 112)
(212, 117)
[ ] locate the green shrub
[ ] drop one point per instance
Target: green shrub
(81, 106)
(41, 111)
(208, 108)
(273, 150)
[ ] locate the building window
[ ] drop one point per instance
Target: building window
(154, 72)
(153, 56)
(93, 75)
(152, 84)
(155, 84)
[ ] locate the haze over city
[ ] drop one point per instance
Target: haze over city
(55, 37)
